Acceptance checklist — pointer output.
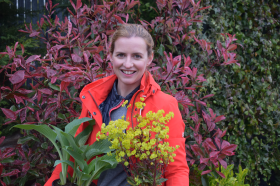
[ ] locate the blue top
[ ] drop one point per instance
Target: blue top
(111, 107)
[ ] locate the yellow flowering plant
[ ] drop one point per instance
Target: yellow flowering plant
(142, 150)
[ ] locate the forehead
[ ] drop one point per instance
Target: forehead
(132, 44)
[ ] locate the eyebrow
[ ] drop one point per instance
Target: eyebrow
(139, 53)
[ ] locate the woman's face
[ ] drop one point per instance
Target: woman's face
(130, 59)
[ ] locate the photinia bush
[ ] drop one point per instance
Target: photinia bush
(44, 89)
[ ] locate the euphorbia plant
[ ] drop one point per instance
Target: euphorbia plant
(68, 146)
(145, 142)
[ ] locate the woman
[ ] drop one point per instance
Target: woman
(131, 53)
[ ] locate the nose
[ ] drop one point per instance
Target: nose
(128, 62)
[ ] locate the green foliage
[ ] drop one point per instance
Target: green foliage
(248, 95)
(69, 146)
(229, 179)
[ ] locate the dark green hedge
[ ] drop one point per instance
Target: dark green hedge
(249, 95)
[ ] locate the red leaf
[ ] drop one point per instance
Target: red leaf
(49, 111)
(204, 8)
(198, 138)
(204, 160)
(18, 99)
(231, 147)
(6, 152)
(46, 91)
(3, 184)
(228, 153)
(14, 172)
(57, 47)
(221, 174)
(210, 143)
(73, 4)
(37, 184)
(1, 168)
(195, 148)
(76, 58)
(32, 58)
(220, 118)
(223, 163)
(208, 96)
(188, 153)
(22, 115)
(232, 47)
(69, 27)
(17, 77)
(9, 114)
(1, 140)
(192, 161)
(79, 4)
(206, 172)
(18, 162)
(119, 19)
(187, 61)
(201, 102)
(26, 167)
(222, 135)
(22, 48)
(34, 34)
(201, 166)
(46, 178)
(214, 154)
(64, 85)
(189, 88)
(21, 152)
(132, 4)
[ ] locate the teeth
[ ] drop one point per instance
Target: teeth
(128, 72)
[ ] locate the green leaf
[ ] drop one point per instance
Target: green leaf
(43, 129)
(78, 158)
(27, 138)
(103, 163)
(72, 127)
(33, 172)
(72, 142)
(204, 180)
(64, 161)
(98, 147)
(44, 145)
(161, 49)
(7, 160)
(82, 137)
(55, 87)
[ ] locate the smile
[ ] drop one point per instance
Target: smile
(128, 72)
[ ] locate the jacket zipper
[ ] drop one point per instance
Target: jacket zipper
(133, 108)
(94, 102)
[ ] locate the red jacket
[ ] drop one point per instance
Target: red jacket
(95, 93)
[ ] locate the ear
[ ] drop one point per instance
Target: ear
(151, 57)
(110, 56)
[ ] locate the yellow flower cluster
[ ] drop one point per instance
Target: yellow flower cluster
(145, 141)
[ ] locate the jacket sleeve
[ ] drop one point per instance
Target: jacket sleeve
(56, 172)
(177, 172)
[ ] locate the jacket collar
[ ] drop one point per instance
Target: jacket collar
(100, 89)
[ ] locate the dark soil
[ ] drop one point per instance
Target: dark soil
(55, 183)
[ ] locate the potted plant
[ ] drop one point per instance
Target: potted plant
(69, 145)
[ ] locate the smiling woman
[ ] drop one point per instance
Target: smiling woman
(130, 60)
(130, 53)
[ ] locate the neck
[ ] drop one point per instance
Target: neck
(124, 90)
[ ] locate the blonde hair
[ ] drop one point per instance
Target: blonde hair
(133, 30)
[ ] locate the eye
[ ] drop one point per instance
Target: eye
(121, 55)
(137, 56)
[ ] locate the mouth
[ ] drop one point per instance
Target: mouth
(128, 72)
